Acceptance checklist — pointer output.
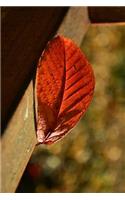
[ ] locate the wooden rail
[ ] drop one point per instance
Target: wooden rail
(19, 139)
(106, 14)
(18, 142)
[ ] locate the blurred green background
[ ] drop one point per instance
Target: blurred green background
(92, 157)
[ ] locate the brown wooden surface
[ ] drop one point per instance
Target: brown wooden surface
(106, 14)
(19, 138)
(18, 142)
(24, 34)
(75, 24)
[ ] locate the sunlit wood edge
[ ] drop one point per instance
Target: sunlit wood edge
(109, 24)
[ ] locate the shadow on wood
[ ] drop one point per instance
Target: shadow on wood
(106, 14)
(25, 31)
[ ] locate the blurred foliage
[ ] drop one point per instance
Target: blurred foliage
(91, 158)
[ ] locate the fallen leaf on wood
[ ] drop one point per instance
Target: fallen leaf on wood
(64, 89)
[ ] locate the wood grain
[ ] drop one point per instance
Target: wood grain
(18, 142)
(19, 138)
(75, 24)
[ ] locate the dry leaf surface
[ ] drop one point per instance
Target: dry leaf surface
(64, 89)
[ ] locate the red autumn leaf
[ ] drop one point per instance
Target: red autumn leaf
(64, 89)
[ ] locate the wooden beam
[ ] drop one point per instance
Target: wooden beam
(106, 14)
(19, 138)
(75, 24)
(18, 142)
(25, 32)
